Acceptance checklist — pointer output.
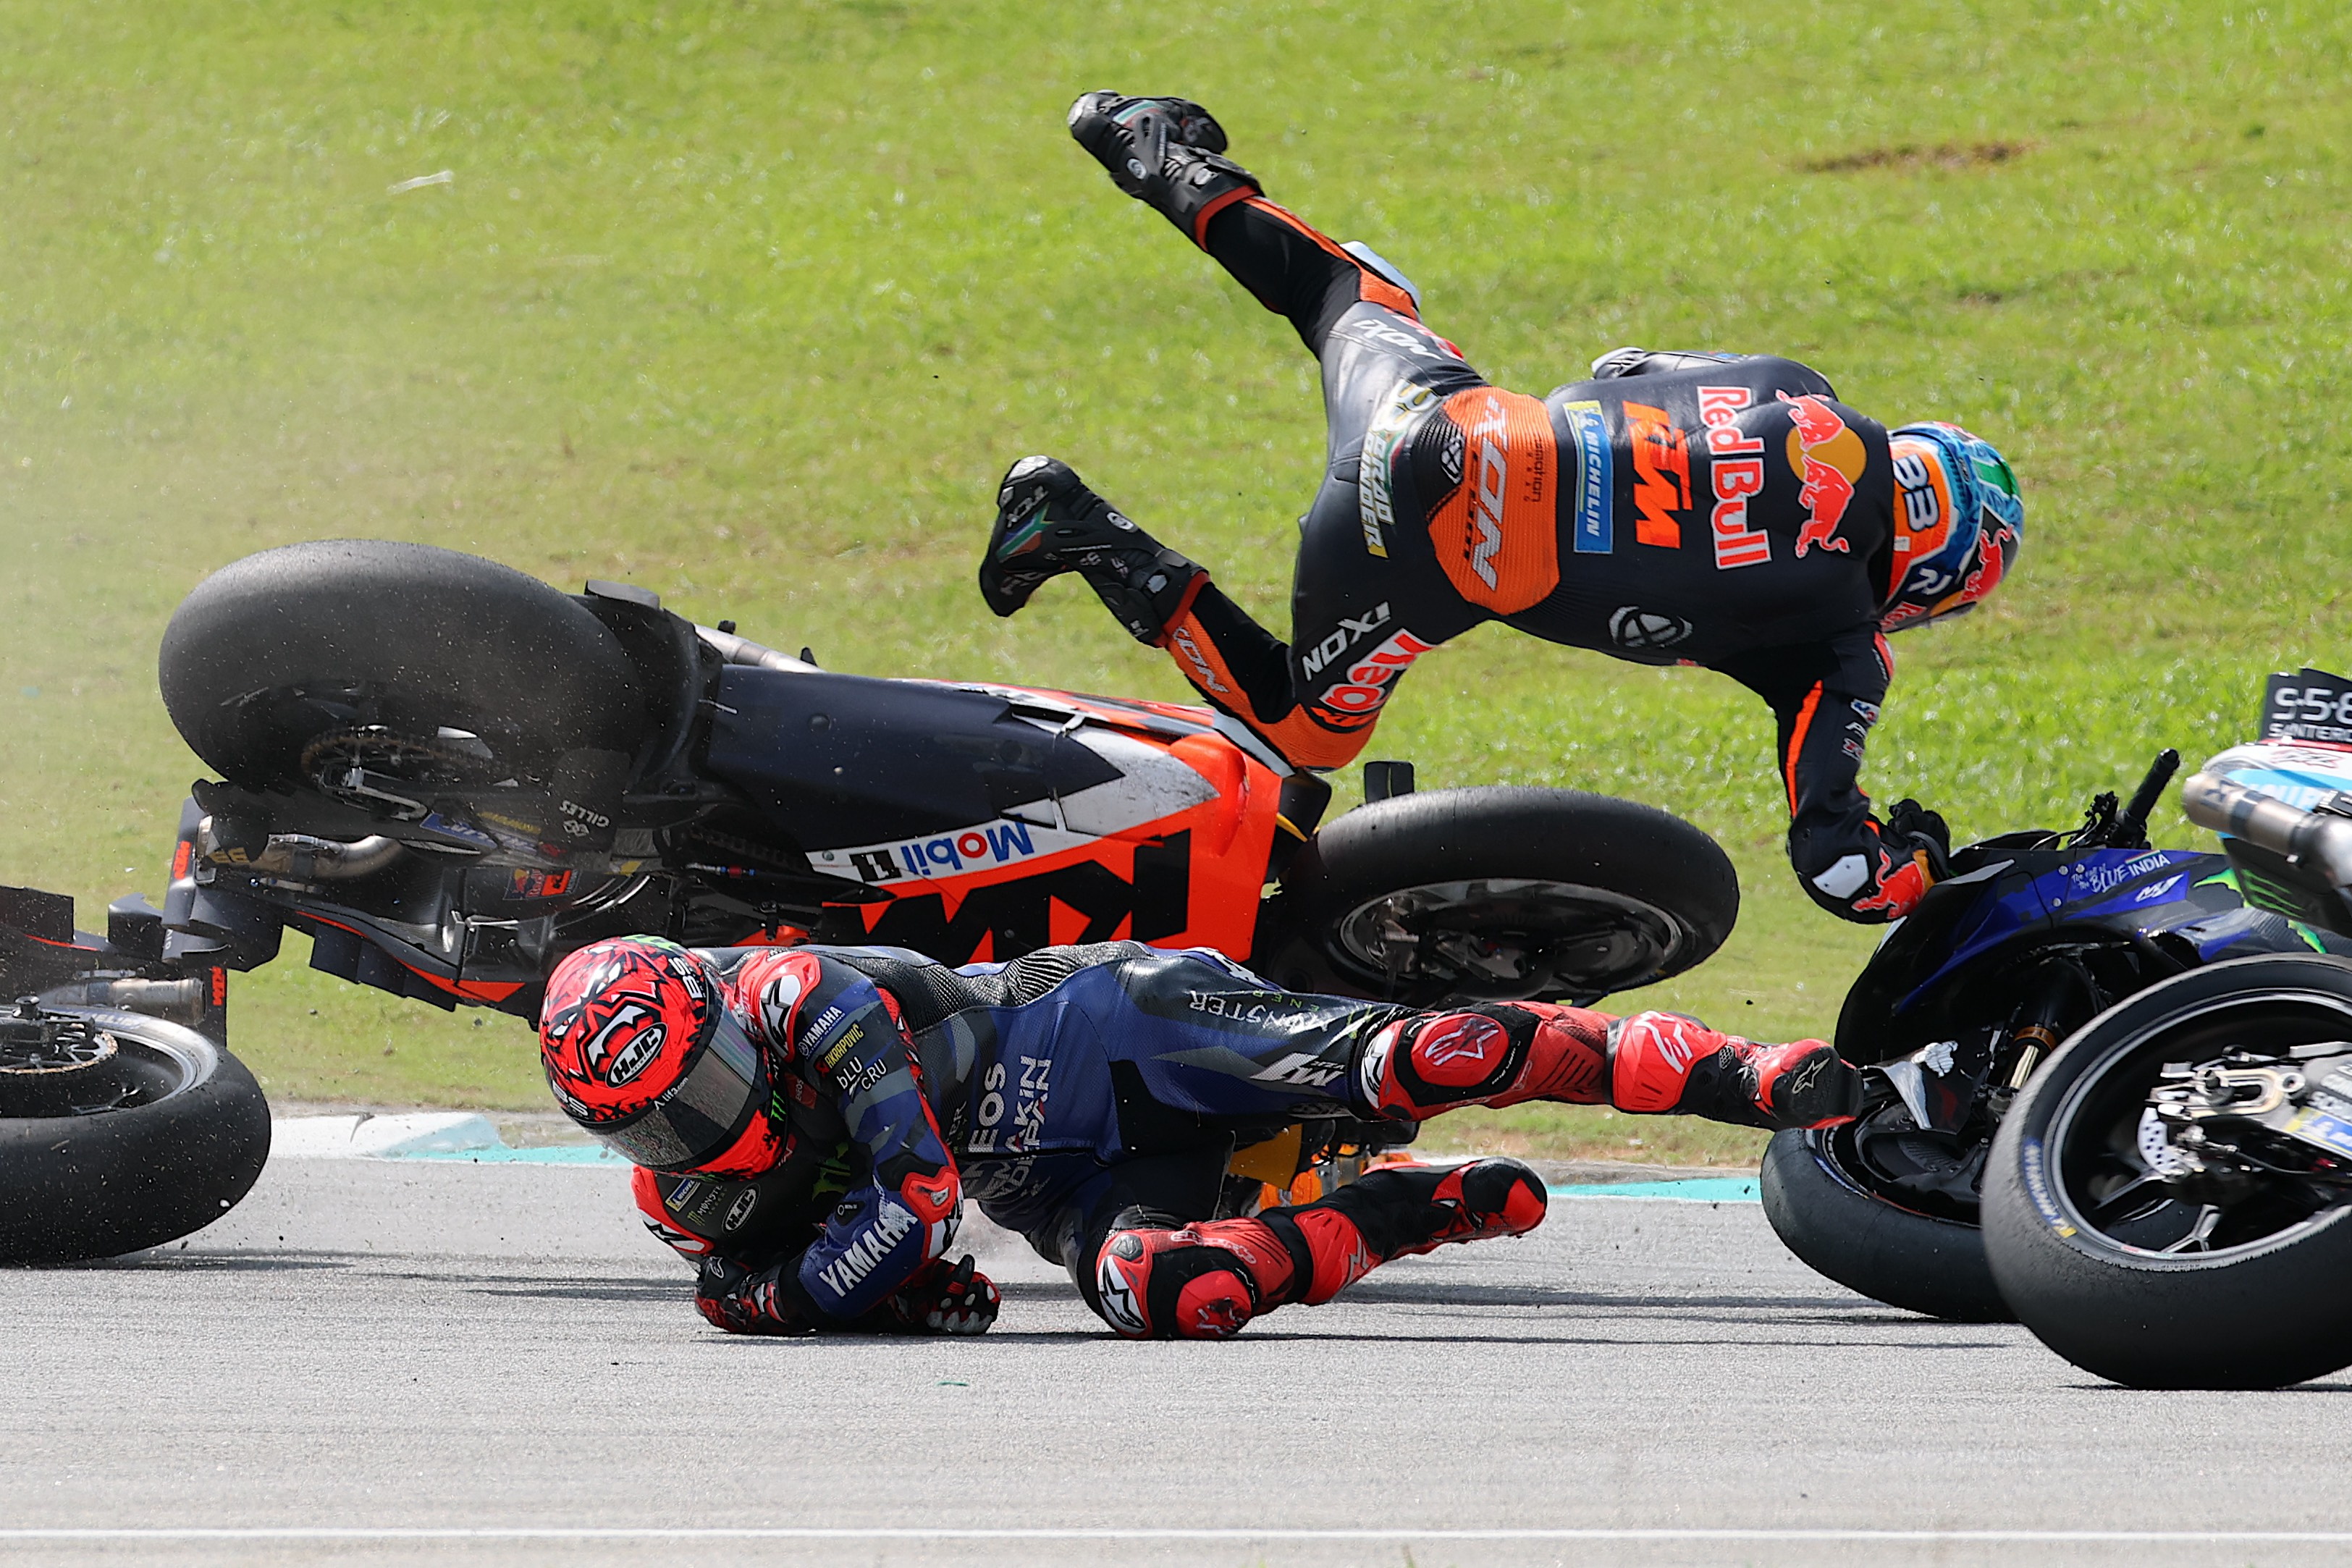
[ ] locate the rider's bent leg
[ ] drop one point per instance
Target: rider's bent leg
(1245, 670)
(1205, 1281)
(1048, 523)
(1501, 1053)
(1316, 699)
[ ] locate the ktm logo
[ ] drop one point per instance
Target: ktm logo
(1662, 484)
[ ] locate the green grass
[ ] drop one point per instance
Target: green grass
(750, 302)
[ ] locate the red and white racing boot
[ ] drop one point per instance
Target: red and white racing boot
(1507, 1052)
(1205, 1281)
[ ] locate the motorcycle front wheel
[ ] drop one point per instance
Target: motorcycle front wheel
(1835, 1196)
(2131, 1278)
(1502, 894)
(117, 1133)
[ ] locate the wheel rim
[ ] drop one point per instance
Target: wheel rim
(353, 766)
(90, 1061)
(2099, 1174)
(1884, 1156)
(1506, 938)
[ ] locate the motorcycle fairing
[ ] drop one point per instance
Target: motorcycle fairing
(978, 822)
(1923, 973)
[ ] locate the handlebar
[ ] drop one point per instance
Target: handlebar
(2317, 840)
(2131, 828)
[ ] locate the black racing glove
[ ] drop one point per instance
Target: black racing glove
(742, 1302)
(1912, 828)
(941, 1299)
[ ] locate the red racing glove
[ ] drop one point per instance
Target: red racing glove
(941, 1299)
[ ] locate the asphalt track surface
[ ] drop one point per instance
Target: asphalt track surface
(381, 1362)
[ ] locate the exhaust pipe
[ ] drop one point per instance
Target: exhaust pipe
(2319, 839)
(299, 857)
(174, 1001)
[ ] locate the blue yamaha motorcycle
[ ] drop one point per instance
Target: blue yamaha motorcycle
(2033, 936)
(2169, 1201)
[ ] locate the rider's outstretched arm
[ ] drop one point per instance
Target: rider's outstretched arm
(1826, 697)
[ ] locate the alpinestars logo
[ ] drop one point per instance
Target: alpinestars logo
(1116, 1293)
(1467, 1040)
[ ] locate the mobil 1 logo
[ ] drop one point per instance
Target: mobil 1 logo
(2307, 705)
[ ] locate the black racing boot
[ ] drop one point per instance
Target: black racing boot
(1168, 153)
(1048, 523)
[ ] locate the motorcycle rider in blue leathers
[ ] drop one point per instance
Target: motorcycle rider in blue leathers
(808, 1122)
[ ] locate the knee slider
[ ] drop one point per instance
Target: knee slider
(1418, 1066)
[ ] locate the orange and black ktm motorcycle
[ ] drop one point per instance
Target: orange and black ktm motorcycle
(448, 775)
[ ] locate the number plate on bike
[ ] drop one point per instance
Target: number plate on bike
(2308, 705)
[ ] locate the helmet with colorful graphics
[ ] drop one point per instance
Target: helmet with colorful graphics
(642, 1051)
(1959, 524)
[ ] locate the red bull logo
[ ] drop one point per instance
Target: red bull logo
(1898, 890)
(1991, 563)
(1829, 458)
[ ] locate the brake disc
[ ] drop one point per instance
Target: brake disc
(52, 1065)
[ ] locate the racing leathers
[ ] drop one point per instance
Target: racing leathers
(1089, 1098)
(1716, 510)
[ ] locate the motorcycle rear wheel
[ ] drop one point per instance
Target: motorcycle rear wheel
(2116, 1272)
(160, 1133)
(1503, 893)
(394, 646)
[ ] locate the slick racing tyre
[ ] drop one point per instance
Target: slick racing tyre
(368, 655)
(2151, 1284)
(118, 1131)
(1829, 1198)
(1503, 893)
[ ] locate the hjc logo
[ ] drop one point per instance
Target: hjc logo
(618, 1067)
